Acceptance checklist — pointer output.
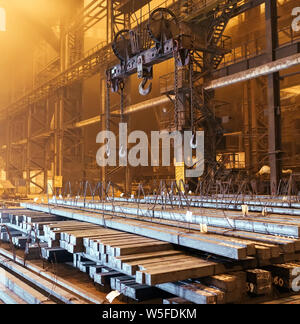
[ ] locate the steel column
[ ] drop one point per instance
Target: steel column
(274, 112)
(103, 89)
(8, 145)
(28, 151)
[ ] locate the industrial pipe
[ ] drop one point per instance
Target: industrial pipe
(262, 70)
(152, 103)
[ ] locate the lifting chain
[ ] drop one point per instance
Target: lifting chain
(122, 87)
(122, 152)
(193, 142)
(191, 78)
(176, 92)
(107, 112)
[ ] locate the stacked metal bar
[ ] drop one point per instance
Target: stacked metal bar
(141, 267)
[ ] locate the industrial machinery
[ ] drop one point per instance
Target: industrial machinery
(164, 37)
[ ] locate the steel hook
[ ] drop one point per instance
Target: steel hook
(142, 90)
(108, 151)
(193, 143)
(122, 152)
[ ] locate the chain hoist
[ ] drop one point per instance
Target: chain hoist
(107, 112)
(191, 84)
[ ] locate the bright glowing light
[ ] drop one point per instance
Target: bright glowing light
(2, 20)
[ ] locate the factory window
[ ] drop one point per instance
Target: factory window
(2, 19)
(232, 160)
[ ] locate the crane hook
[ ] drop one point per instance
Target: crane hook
(122, 152)
(142, 90)
(108, 151)
(193, 142)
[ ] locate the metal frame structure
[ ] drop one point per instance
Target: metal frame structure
(37, 143)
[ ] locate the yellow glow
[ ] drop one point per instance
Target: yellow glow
(2, 20)
(293, 90)
(233, 160)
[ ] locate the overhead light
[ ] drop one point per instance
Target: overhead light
(2, 20)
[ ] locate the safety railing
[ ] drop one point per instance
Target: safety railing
(194, 6)
(257, 46)
(95, 49)
(288, 36)
(244, 51)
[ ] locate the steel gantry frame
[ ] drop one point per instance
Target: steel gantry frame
(43, 123)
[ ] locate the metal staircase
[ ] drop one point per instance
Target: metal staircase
(221, 17)
(217, 28)
(204, 63)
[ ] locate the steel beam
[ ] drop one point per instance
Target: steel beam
(165, 234)
(22, 290)
(59, 281)
(188, 292)
(263, 226)
(292, 209)
(37, 281)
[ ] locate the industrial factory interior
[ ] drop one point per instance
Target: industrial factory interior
(149, 154)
